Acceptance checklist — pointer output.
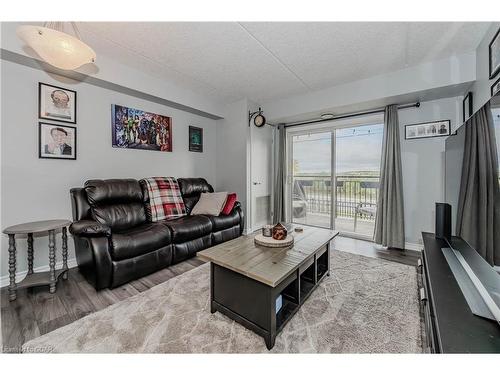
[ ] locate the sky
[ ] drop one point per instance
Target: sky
(357, 149)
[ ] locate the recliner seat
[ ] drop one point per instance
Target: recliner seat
(115, 240)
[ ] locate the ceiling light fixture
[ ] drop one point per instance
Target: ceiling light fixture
(56, 47)
(326, 116)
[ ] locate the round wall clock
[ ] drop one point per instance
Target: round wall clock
(259, 120)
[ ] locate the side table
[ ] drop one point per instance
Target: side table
(37, 278)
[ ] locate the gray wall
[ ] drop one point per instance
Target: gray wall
(423, 165)
(38, 189)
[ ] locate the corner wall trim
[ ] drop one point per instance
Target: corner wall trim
(30, 62)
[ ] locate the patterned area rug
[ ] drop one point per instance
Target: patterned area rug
(367, 305)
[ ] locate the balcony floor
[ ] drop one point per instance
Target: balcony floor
(342, 224)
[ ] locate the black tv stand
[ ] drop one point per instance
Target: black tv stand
(450, 325)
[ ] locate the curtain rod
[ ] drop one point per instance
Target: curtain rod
(347, 115)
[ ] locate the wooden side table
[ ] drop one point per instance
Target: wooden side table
(37, 278)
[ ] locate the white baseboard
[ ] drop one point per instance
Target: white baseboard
(4, 280)
(413, 246)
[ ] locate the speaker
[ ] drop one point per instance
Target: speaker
(443, 221)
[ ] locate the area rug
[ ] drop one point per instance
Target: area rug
(367, 305)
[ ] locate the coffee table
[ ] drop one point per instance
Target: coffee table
(246, 279)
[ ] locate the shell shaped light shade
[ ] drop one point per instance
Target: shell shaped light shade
(57, 48)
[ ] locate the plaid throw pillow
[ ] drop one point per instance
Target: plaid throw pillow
(165, 199)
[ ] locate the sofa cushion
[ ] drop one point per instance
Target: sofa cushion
(116, 203)
(139, 240)
(191, 188)
(164, 198)
(210, 204)
(222, 222)
(189, 228)
(230, 202)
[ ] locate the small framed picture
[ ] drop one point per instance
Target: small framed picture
(56, 141)
(467, 106)
(495, 89)
(428, 129)
(195, 139)
(56, 103)
(494, 55)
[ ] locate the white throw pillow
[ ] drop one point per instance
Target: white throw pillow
(210, 204)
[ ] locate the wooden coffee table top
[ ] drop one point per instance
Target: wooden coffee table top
(268, 265)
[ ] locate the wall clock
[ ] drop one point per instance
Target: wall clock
(258, 118)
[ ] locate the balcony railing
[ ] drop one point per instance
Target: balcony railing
(351, 191)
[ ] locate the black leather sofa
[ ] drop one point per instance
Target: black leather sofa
(115, 240)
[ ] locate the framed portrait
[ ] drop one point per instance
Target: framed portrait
(56, 141)
(56, 103)
(195, 139)
(494, 55)
(141, 130)
(467, 106)
(428, 129)
(495, 88)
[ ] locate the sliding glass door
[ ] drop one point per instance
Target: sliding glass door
(334, 177)
(357, 171)
(311, 172)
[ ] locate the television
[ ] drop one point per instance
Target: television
(454, 153)
(477, 279)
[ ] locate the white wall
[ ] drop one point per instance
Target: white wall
(482, 87)
(423, 165)
(231, 155)
(38, 189)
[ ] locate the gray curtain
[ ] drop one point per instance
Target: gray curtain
(279, 164)
(478, 217)
(389, 219)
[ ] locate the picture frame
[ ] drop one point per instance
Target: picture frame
(467, 106)
(141, 130)
(56, 141)
(56, 103)
(431, 129)
(195, 139)
(494, 55)
(495, 88)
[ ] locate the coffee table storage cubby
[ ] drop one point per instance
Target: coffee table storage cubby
(247, 280)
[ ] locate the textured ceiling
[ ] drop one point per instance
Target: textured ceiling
(269, 60)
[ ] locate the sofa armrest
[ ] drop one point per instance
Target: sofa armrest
(89, 228)
(94, 260)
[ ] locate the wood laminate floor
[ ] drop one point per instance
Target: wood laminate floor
(36, 312)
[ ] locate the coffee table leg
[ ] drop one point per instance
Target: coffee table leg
(52, 260)
(328, 258)
(212, 307)
(65, 252)
(270, 340)
(12, 268)
(30, 253)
